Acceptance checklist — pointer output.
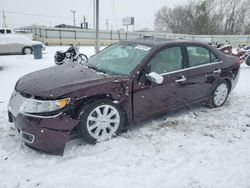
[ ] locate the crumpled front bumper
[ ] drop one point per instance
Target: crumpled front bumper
(48, 134)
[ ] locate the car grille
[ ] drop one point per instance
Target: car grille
(15, 103)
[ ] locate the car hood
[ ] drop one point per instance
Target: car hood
(60, 81)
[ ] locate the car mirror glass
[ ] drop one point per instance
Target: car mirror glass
(155, 77)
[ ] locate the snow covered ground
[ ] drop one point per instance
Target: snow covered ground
(198, 147)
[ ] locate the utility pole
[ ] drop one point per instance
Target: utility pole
(97, 39)
(4, 20)
(74, 16)
(94, 10)
(84, 19)
(107, 24)
(84, 22)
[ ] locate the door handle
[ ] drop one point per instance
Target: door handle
(217, 71)
(182, 79)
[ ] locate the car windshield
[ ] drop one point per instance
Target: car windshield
(119, 59)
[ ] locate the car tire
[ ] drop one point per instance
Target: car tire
(82, 58)
(27, 50)
(100, 121)
(58, 63)
(219, 95)
(247, 61)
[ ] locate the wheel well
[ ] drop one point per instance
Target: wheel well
(229, 83)
(88, 100)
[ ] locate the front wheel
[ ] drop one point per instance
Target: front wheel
(82, 58)
(100, 121)
(219, 95)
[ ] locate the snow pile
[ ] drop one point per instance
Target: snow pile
(196, 147)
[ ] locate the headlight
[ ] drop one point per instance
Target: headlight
(40, 106)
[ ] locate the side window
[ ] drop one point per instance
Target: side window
(8, 31)
(167, 60)
(213, 58)
(198, 55)
(2, 31)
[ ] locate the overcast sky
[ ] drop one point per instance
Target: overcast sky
(52, 12)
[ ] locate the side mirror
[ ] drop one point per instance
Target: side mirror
(155, 77)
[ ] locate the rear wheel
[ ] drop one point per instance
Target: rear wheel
(219, 95)
(248, 60)
(27, 50)
(100, 121)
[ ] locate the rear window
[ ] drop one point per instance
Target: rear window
(213, 58)
(200, 56)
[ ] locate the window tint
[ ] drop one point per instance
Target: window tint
(2, 31)
(198, 55)
(213, 58)
(167, 60)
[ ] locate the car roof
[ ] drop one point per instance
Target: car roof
(5, 28)
(152, 41)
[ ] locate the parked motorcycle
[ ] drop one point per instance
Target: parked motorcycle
(71, 55)
(244, 54)
(225, 48)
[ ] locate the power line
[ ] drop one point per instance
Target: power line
(39, 15)
(114, 21)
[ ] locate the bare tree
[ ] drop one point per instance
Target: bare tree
(205, 17)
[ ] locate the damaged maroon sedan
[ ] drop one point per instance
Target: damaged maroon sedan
(125, 83)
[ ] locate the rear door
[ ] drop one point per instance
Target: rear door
(204, 69)
(17, 44)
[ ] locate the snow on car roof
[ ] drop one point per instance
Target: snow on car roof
(10, 38)
(153, 41)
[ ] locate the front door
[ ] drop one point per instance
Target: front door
(151, 99)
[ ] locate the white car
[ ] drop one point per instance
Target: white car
(23, 32)
(6, 31)
(16, 44)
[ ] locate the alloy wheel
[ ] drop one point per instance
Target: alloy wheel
(220, 94)
(103, 122)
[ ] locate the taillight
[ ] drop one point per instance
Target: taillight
(238, 62)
